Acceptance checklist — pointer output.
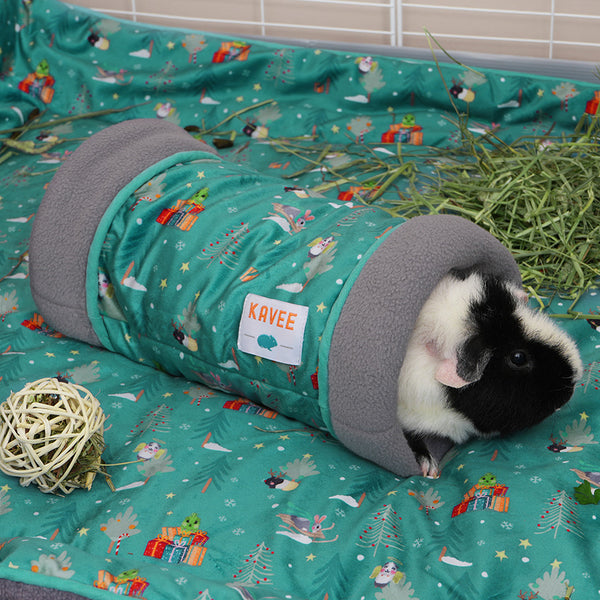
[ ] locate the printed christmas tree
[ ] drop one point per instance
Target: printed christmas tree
(156, 421)
(256, 567)
(4, 500)
(382, 531)
(226, 248)
(561, 514)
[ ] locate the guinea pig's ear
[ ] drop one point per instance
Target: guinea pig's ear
(447, 373)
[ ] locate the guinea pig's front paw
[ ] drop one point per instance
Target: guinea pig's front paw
(429, 467)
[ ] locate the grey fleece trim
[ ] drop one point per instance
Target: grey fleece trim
(63, 232)
(370, 337)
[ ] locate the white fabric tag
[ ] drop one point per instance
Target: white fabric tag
(272, 329)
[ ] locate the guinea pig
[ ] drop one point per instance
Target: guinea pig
(481, 362)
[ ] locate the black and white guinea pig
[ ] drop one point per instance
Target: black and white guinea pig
(480, 362)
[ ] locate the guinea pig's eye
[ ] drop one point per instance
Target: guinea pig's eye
(518, 358)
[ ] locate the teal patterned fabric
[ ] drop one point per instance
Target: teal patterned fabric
(194, 248)
(226, 499)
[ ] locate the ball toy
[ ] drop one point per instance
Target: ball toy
(51, 434)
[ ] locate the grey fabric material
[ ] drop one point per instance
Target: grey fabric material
(370, 337)
(14, 590)
(63, 230)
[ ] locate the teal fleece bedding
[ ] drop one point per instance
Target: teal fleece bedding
(228, 499)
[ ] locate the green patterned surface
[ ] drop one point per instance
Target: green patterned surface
(206, 452)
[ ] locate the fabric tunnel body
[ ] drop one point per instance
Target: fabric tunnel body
(235, 279)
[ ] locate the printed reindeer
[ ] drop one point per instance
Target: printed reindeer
(184, 339)
(301, 530)
(279, 482)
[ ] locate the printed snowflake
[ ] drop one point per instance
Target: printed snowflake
(238, 531)
(232, 209)
(354, 467)
(506, 525)
(185, 426)
(117, 405)
(181, 581)
(481, 543)
(418, 543)
(180, 245)
(535, 479)
(230, 502)
(340, 512)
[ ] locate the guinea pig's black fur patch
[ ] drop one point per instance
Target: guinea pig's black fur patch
(519, 379)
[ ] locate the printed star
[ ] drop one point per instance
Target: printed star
(501, 554)
(556, 564)
(185, 267)
(169, 513)
(460, 467)
(335, 129)
(321, 307)
(170, 495)
(310, 557)
(258, 360)
(392, 493)
(170, 45)
(307, 456)
(277, 242)
(259, 446)
(284, 437)
(127, 338)
(540, 92)
(115, 96)
(240, 99)
(163, 284)
(5, 488)
(74, 352)
(584, 416)
(188, 185)
(525, 543)
(317, 51)
(201, 175)
(257, 87)
(390, 109)
(167, 395)
(83, 531)
(50, 354)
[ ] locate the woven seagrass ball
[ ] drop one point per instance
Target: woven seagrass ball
(51, 434)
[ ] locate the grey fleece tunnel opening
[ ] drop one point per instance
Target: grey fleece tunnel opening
(369, 339)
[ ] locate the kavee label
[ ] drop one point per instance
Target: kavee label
(272, 329)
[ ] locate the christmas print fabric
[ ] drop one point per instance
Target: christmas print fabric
(220, 497)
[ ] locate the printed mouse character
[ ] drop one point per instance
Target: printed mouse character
(480, 362)
(384, 574)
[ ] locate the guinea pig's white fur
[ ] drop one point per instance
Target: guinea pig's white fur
(439, 330)
(442, 326)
